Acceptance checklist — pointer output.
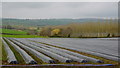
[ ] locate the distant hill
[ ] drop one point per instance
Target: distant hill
(44, 22)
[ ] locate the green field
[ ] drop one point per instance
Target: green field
(17, 34)
(23, 36)
(10, 31)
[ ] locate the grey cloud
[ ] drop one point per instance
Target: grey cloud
(60, 9)
(20, 5)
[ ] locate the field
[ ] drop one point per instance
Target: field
(9, 31)
(17, 34)
(63, 52)
(18, 49)
(23, 36)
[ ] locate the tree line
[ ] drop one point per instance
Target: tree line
(88, 29)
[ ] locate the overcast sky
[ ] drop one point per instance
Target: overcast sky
(43, 10)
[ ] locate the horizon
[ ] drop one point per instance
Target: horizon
(58, 18)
